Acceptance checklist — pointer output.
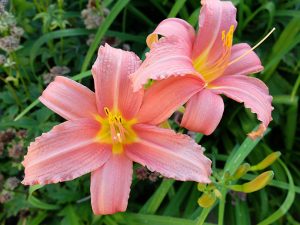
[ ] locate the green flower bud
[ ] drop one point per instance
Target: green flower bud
(201, 187)
(269, 160)
(256, 184)
(207, 200)
(241, 171)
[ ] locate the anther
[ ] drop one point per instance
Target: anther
(106, 110)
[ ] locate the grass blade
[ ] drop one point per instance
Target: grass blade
(176, 8)
(151, 206)
(287, 202)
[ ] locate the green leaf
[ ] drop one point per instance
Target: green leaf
(238, 156)
(71, 217)
(38, 203)
(35, 49)
(291, 125)
(38, 219)
(270, 8)
(142, 219)
(287, 202)
(174, 205)
(176, 8)
(140, 15)
(287, 40)
(156, 199)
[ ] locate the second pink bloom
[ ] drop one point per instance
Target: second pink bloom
(198, 68)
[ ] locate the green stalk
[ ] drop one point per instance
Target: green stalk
(204, 213)
(222, 206)
(295, 88)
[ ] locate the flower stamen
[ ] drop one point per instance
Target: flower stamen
(117, 130)
(252, 49)
(214, 69)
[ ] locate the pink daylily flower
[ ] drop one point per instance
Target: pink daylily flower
(198, 68)
(104, 133)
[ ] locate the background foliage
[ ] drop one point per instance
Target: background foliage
(61, 37)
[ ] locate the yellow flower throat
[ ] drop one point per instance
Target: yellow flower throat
(115, 130)
(212, 70)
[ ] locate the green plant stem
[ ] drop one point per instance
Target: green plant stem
(204, 213)
(61, 49)
(222, 206)
(14, 94)
(14, 57)
(295, 88)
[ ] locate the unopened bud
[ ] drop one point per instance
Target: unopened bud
(207, 200)
(217, 193)
(256, 184)
(241, 171)
(201, 187)
(269, 160)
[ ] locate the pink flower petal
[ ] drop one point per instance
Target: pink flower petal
(247, 65)
(168, 57)
(110, 185)
(173, 27)
(67, 98)
(173, 155)
(165, 96)
(203, 112)
(252, 91)
(215, 16)
(66, 152)
(113, 87)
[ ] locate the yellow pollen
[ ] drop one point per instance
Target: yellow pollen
(212, 70)
(227, 39)
(115, 130)
(252, 49)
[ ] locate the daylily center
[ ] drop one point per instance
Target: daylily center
(115, 130)
(214, 67)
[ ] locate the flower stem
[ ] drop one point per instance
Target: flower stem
(204, 213)
(222, 206)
